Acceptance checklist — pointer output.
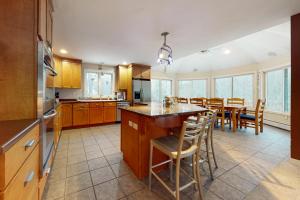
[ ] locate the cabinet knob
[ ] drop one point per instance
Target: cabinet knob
(29, 144)
(29, 178)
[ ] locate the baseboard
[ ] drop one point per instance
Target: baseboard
(278, 125)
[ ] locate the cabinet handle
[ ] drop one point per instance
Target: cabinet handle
(29, 178)
(29, 144)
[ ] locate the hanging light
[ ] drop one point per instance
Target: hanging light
(165, 52)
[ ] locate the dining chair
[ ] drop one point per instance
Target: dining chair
(182, 100)
(254, 118)
(185, 145)
(217, 104)
(234, 101)
(198, 101)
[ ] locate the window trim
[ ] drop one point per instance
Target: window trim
(265, 71)
(195, 79)
(253, 74)
(100, 86)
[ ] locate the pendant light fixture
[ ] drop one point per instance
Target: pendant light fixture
(165, 52)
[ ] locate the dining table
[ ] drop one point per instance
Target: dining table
(235, 110)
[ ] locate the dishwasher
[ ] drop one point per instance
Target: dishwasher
(121, 104)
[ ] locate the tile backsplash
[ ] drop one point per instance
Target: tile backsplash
(69, 93)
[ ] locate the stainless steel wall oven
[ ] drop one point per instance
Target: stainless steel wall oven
(46, 103)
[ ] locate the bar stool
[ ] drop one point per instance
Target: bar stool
(185, 145)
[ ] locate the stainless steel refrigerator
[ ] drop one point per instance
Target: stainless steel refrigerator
(141, 90)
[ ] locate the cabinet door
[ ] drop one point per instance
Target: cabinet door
(49, 22)
(110, 114)
(42, 19)
(66, 74)
(58, 78)
(136, 72)
(80, 114)
(96, 115)
(129, 84)
(66, 114)
(146, 73)
(122, 76)
(76, 75)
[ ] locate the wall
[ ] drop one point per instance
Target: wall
(76, 93)
(281, 120)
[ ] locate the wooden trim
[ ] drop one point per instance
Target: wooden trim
(74, 60)
(295, 91)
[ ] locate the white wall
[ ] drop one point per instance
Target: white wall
(281, 120)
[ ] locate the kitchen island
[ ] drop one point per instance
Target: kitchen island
(140, 124)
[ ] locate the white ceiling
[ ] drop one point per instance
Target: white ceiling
(114, 31)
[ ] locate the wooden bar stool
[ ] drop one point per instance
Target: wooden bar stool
(185, 145)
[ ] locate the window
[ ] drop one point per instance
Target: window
(160, 89)
(278, 90)
(235, 86)
(98, 83)
(192, 88)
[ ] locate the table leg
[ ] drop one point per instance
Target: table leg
(233, 120)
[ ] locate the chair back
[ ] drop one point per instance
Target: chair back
(191, 133)
(236, 101)
(182, 100)
(198, 101)
(215, 104)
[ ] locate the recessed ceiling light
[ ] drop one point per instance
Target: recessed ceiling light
(63, 51)
(226, 51)
(124, 63)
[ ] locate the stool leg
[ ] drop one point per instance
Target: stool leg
(194, 165)
(171, 169)
(212, 149)
(177, 178)
(198, 177)
(208, 158)
(150, 165)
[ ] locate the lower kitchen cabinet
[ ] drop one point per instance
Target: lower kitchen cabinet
(96, 113)
(110, 112)
(67, 115)
(80, 114)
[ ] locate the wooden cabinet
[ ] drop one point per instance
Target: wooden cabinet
(45, 21)
(67, 114)
(68, 72)
(96, 113)
(140, 71)
(58, 69)
(110, 112)
(57, 125)
(121, 77)
(19, 174)
(129, 84)
(80, 114)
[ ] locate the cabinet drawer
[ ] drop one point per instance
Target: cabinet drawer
(24, 186)
(80, 105)
(12, 160)
(110, 104)
(96, 104)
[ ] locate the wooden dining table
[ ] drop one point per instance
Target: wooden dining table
(234, 109)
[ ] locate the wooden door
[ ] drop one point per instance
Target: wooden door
(109, 114)
(122, 76)
(80, 114)
(66, 74)
(76, 75)
(96, 115)
(66, 115)
(58, 68)
(49, 22)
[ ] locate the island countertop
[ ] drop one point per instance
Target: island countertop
(157, 109)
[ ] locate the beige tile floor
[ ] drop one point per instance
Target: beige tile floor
(89, 166)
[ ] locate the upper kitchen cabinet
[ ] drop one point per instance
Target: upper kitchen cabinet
(140, 71)
(69, 72)
(121, 77)
(45, 21)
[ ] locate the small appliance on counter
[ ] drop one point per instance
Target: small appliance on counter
(121, 96)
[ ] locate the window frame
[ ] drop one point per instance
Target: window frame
(232, 85)
(162, 79)
(100, 90)
(195, 79)
(285, 67)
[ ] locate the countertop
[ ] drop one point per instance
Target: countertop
(88, 100)
(12, 131)
(157, 109)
